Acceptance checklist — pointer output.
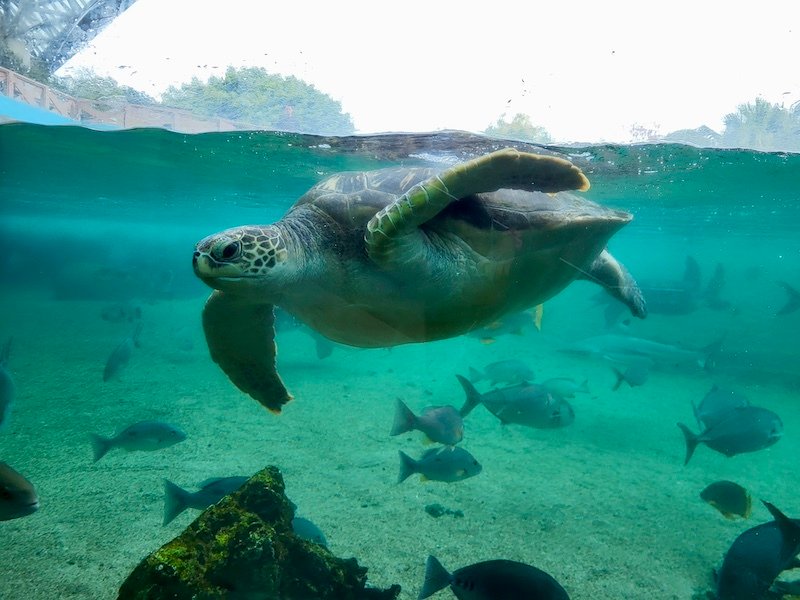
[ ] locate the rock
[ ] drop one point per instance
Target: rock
(244, 547)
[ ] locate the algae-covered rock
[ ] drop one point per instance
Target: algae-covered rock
(244, 548)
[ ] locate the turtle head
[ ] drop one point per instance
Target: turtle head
(243, 260)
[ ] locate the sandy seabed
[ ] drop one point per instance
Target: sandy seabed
(605, 505)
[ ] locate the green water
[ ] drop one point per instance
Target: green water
(91, 219)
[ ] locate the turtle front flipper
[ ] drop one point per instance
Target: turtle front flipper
(615, 278)
(241, 338)
(508, 168)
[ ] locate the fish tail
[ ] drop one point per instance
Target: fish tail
(404, 419)
(473, 396)
(475, 376)
(793, 300)
(620, 378)
(100, 446)
(711, 354)
(176, 500)
(436, 578)
(691, 442)
(584, 387)
(408, 466)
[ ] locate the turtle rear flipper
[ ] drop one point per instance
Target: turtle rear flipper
(241, 338)
(506, 168)
(615, 278)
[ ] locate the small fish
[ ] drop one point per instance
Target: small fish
(729, 498)
(566, 387)
(7, 388)
(758, 556)
(715, 406)
(634, 375)
(117, 313)
(527, 404)
(513, 323)
(492, 580)
(441, 424)
(17, 495)
(177, 499)
(303, 528)
(448, 464)
(792, 301)
(119, 358)
(745, 429)
(502, 371)
(145, 435)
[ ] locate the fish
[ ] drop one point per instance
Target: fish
(17, 495)
(145, 436)
(744, 429)
(526, 404)
(502, 371)
(492, 580)
(119, 358)
(628, 350)
(792, 300)
(447, 463)
(303, 528)
(442, 424)
(566, 387)
(119, 312)
(758, 556)
(716, 405)
(7, 387)
(729, 498)
(634, 375)
(177, 499)
(512, 323)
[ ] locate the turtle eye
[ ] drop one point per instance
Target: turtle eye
(230, 250)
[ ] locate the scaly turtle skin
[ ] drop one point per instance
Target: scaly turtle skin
(402, 255)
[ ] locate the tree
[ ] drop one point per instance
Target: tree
(761, 125)
(253, 96)
(519, 128)
(85, 83)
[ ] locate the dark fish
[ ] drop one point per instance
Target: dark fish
(634, 375)
(529, 404)
(566, 387)
(729, 498)
(744, 429)
(758, 556)
(17, 495)
(715, 406)
(513, 323)
(145, 435)
(492, 580)
(119, 358)
(441, 424)
(7, 388)
(448, 464)
(502, 371)
(307, 530)
(792, 301)
(177, 499)
(117, 313)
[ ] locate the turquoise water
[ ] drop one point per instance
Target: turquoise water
(91, 220)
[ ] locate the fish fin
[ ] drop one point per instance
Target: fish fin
(475, 376)
(793, 300)
(100, 446)
(487, 340)
(711, 354)
(436, 578)
(789, 529)
(323, 346)
(408, 466)
(175, 501)
(404, 419)
(473, 396)
(620, 378)
(691, 442)
(538, 312)
(696, 413)
(584, 386)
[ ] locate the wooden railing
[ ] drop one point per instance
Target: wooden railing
(112, 113)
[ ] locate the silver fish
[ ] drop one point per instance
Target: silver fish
(448, 464)
(119, 358)
(629, 350)
(145, 435)
(716, 405)
(502, 371)
(634, 375)
(17, 496)
(566, 387)
(7, 388)
(441, 424)
(177, 499)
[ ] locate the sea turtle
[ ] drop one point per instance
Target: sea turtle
(399, 255)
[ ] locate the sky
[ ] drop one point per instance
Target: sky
(585, 70)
